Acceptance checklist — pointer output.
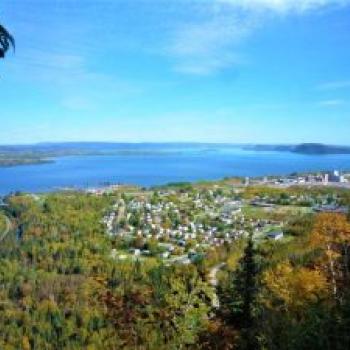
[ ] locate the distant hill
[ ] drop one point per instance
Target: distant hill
(13, 155)
(318, 148)
(304, 148)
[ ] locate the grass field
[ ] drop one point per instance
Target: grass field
(276, 212)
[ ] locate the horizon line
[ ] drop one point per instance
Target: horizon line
(172, 142)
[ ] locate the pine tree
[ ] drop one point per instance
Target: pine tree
(6, 41)
(244, 297)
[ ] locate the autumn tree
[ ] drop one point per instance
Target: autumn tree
(291, 289)
(293, 302)
(331, 235)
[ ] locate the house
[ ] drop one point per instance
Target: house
(331, 208)
(165, 255)
(181, 243)
(275, 235)
(135, 252)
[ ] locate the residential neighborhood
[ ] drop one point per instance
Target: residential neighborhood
(183, 223)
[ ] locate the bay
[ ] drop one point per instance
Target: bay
(161, 168)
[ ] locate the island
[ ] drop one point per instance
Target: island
(304, 148)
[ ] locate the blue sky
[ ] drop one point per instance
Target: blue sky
(256, 71)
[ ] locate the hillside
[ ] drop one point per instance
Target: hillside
(304, 148)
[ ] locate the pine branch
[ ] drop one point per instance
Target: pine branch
(6, 41)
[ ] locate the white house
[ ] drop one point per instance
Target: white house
(275, 235)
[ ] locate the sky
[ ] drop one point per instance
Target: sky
(231, 71)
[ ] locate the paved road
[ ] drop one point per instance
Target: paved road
(4, 233)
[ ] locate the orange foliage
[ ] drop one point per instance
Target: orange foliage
(295, 287)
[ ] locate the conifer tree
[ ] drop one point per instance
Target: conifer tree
(244, 297)
(6, 41)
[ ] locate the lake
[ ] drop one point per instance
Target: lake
(157, 169)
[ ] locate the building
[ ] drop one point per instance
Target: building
(331, 208)
(336, 176)
(275, 235)
(326, 179)
(231, 208)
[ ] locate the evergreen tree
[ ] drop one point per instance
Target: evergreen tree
(6, 41)
(244, 297)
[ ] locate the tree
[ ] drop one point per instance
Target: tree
(294, 308)
(6, 41)
(331, 234)
(292, 289)
(244, 296)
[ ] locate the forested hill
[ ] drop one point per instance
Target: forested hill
(304, 148)
(317, 148)
(70, 280)
(11, 155)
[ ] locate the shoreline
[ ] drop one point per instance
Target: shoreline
(273, 181)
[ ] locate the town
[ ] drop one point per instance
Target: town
(182, 222)
(125, 248)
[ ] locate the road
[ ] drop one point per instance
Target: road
(213, 274)
(213, 280)
(4, 233)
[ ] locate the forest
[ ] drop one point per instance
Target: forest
(61, 288)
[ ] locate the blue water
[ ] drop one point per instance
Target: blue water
(156, 169)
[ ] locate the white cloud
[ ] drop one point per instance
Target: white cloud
(201, 38)
(203, 48)
(209, 42)
(284, 6)
(331, 103)
(77, 103)
(334, 85)
(204, 65)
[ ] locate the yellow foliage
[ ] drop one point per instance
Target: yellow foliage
(294, 287)
(330, 229)
(233, 260)
(25, 343)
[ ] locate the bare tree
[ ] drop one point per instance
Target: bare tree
(6, 41)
